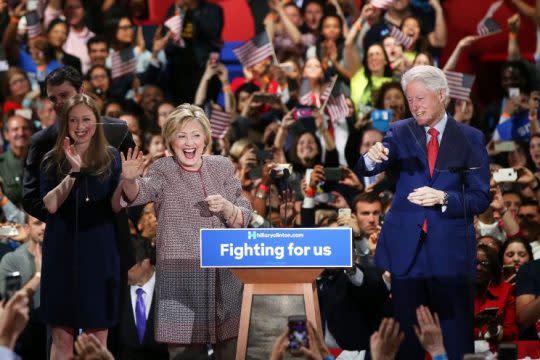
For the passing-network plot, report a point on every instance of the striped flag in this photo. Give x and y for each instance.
(219, 123)
(305, 95)
(175, 24)
(401, 38)
(33, 24)
(382, 4)
(337, 104)
(488, 26)
(123, 62)
(460, 84)
(255, 50)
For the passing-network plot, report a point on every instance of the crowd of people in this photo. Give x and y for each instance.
(113, 158)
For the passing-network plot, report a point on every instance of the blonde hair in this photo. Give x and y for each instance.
(98, 157)
(239, 146)
(178, 119)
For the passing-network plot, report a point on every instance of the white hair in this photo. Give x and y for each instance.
(432, 77)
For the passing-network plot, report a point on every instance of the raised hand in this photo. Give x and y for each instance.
(429, 331)
(72, 155)
(160, 41)
(384, 343)
(132, 164)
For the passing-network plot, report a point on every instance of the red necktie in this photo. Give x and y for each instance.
(432, 152)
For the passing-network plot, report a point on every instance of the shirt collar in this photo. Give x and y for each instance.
(440, 125)
(148, 287)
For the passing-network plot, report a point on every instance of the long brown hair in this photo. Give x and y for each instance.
(97, 157)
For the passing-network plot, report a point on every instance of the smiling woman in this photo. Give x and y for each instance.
(190, 191)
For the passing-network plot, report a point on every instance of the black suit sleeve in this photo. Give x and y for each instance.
(32, 202)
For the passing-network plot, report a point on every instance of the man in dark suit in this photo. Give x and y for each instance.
(137, 307)
(427, 242)
(61, 85)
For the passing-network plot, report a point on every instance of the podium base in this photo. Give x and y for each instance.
(276, 282)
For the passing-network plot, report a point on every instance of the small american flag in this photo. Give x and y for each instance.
(382, 4)
(401, 38)
(175, 24)
(337, 104)
(305, 94)
(219, 123)
(255, 50)
(123, 62)
(33, 24)
(460, 84)
(488, 26)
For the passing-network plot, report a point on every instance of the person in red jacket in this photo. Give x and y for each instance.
(495, 302)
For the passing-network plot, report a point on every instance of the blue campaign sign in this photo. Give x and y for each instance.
(276, 248)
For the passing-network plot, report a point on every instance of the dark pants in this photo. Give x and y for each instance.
(451, 297)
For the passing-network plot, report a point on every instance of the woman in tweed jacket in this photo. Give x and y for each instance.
(194, 306)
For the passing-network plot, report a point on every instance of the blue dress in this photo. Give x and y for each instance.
(80, 271)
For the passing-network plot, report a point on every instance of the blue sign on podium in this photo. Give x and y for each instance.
(276, 248)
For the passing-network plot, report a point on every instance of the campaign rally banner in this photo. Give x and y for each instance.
(276, 248)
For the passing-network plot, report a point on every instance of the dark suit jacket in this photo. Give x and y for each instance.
(130, 347)
(352, 313)
(461, 146)
(43, 141)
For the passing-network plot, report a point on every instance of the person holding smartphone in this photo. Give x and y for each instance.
(494, 303)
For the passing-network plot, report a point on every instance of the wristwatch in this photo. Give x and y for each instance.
(445, 199)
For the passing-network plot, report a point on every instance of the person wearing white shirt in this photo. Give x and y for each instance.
(137, 312)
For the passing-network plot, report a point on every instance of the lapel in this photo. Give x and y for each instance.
(420, 147)
(452, 146)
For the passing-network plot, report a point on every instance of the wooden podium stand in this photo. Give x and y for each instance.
(291, 281)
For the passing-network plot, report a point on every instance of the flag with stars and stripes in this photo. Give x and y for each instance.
(401, 38)
(336, 105)
(219, 123)
(488, 26)
(175, 25)
(33, 24)
(305, 95)
(255, 50)
(123, 62)
(460, 84)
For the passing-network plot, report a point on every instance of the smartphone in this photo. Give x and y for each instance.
(263, 155)
(214, 57)
(507, 351)
(266, 98)
(333, 174)
(255, 173)
(13, 284)
(298, 334)
(513, 92)
(302, 112)
(505, 175)
(489, 312)
(505, 146)
(509, 270)
(344, 212)
(9, 231)
(381, 119)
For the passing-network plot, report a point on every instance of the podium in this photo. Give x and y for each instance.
(276, 262)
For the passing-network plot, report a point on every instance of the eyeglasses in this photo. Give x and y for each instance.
(484, 263)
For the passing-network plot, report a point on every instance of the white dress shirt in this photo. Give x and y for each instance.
(148, 289)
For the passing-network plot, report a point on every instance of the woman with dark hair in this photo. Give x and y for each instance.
(514, 253)
(371, 76)
(534, 152)
(57, 33)
(15, 87)
(423, 58)
(330, 47)
(80, 258)
(494, 303)
(99, 78)
(391, 97)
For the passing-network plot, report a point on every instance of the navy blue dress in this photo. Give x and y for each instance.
(80, 271)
